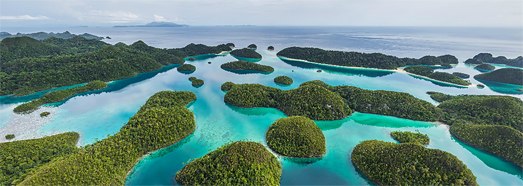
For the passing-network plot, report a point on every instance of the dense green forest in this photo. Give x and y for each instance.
(386, 163)
(243, 67)
(29, 65)
(296, 136)
(195, 82)
(227, 86)
(461, 75)
(9, 136)
(162, 121)
(485, 67)
(246, 53)
(438, 96)
(20, 157)
(384, 102)
(483, 109)
(503, 75)
(503, 141)
(410, 137)
(186, 68)
(312, 101)
(283, 80)
(357, 59)
(58, 96)
(442, 76)
(488, 58)
(238, 163)
(45, 35)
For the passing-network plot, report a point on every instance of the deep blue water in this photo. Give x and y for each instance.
(103, 113)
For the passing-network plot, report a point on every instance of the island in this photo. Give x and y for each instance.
(410, 137)
(296, 136)
(252, 47)
(246, 54)
(155, 24)
(283, 80)
(9, 136)
(357, 59)
(441, 76)
(243, 67)
(227, 86)
(485, 67)
(195, 82)
(238, 163)
(161, 122)
(270, 48)
(186, 69)
(58, 96)
(45, 35)
(503, 75)
(489, 58)
(18, 158)
(44, 114)
(386, 163)
(54, 62)
(313, 101)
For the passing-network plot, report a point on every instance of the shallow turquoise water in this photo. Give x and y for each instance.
(95, 116)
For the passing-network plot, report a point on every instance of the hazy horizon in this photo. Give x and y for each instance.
(370, 13)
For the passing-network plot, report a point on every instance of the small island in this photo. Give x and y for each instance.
(270, 48)
(441, 76)
(283, 80)
(296, 136)
(485, 67)
(238, 163)
(489, 58)
(186, 69)
(243, 67)
(195, 82)
(252, 47)
(461, 75)
(410, 137)
(503, 75)
(44, 114)
(244, 53)
(9, 136)
(386, 163)
(58, 96)
(438, 96)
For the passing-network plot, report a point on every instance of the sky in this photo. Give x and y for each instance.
(452, 13)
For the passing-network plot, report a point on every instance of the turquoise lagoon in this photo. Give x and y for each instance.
(103, 113)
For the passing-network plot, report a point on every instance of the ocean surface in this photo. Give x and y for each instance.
(98, 115)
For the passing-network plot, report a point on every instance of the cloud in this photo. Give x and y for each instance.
(111, 16)
(159, 18)
(23, 18)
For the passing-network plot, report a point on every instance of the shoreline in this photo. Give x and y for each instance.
(398, 70)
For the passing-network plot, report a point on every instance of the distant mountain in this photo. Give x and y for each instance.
(155, 24)
(45, 35)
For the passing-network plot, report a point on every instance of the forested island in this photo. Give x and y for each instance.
(488, 58)
(246, 53)
(162, 121)
(357, 59)
(243, 67)
(485, 67)
(195, 82)
(296, 136)
(29, 65)
(410, 137)
(441, 76)
(503, 75)
(238, 163)
(283, 80)
(385, 163)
